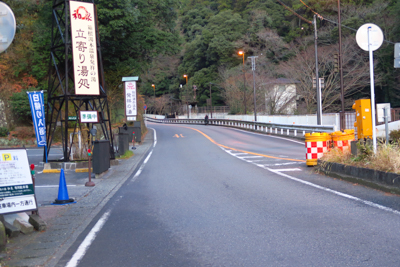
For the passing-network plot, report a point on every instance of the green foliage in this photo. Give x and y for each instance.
(20, 107)
(127, 155)
(3, 131)
(150, 39)
(366, 150)
(131, 32)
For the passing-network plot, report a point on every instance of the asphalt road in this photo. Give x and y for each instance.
(35, 155)
(213, 196)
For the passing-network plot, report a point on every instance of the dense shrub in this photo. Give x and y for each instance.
(394, 135)
(3, 131)
(23, 133)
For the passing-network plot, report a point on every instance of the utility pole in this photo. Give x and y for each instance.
(319, 109)
(342, 117)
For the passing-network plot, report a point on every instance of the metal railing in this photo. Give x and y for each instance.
(271, 128)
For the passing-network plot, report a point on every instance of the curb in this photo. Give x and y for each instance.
(52, 171)
(83, 170)
(55, 167)
(384, 181)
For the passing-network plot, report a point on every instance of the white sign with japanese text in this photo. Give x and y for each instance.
(88, 116)
(130, 99)
(16, 186)
(84, 48)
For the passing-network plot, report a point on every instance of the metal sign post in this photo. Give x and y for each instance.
(370, 37)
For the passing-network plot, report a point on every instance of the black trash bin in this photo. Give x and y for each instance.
(137, 128)
(129, 130)
(101, 156)
(123, 143)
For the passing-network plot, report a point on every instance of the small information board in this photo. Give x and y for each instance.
(89, 116)
(16, 185)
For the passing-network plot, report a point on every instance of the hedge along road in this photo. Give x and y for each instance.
(196, 203)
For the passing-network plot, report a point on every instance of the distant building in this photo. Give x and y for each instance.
(280, 96)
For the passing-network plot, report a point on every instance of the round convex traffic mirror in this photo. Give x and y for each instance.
(93, 131)
(7, 26)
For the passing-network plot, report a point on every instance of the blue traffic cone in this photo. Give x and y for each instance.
(63, 197)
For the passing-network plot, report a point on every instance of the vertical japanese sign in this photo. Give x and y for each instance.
(16, 186)
(84, 48)
(37, 109)
(130, 99)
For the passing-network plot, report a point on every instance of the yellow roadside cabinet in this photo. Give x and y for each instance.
(363, 118)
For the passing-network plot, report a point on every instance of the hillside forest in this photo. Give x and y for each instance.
(162, 40)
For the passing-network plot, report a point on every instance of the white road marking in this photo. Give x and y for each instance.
(155, 137)
(366, 202)
(147, 158)
(80, 252)
(282, 164)
(279, 172)
(287, 170)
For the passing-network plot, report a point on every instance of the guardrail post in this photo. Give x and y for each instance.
(281, 131)
(276, 130)
(287, 131)
(295, 132)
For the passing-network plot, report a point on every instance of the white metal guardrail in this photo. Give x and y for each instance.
(273, 128)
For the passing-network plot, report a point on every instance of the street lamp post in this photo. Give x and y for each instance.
(210, 102)
(241, 53)
(253, 68)
(154, 89)
(187, 104)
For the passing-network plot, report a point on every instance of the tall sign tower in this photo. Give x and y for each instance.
(76, 76)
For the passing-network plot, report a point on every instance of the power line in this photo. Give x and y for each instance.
(318, 15)
(288, 8)
(334, 22)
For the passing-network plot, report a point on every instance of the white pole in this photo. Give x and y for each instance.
(371, 70)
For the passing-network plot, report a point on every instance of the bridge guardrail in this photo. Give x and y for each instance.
(273, 128)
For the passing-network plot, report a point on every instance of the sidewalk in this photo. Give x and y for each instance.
(66, 222)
